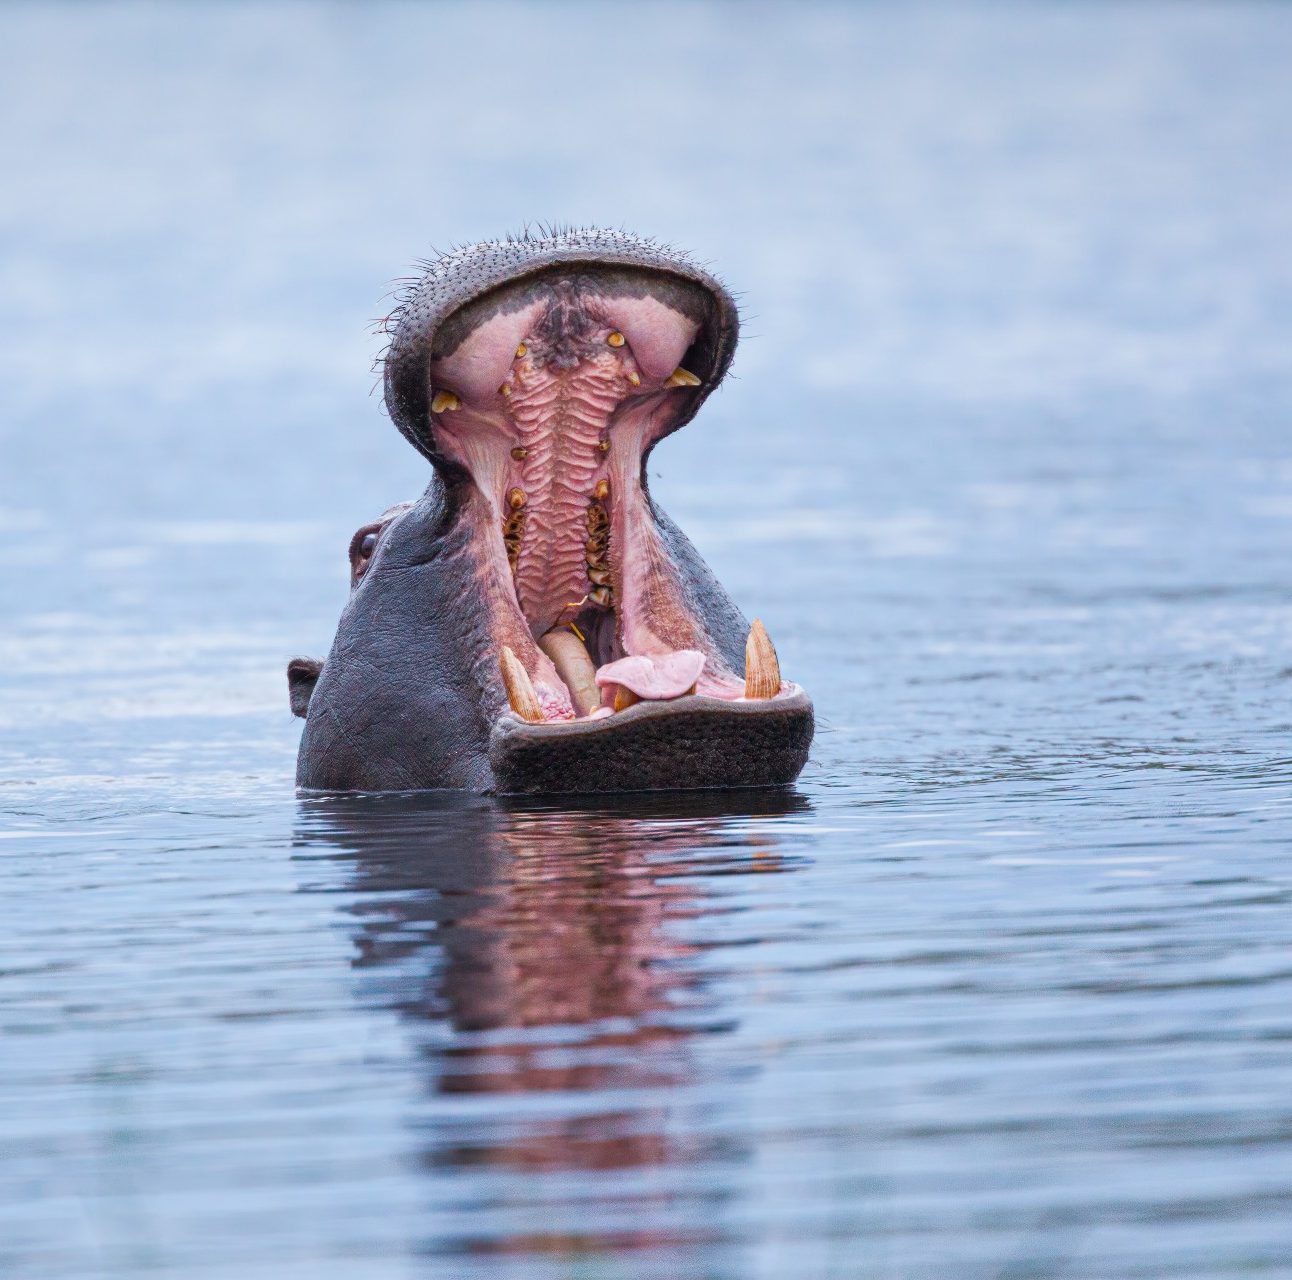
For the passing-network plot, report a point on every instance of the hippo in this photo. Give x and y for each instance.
(534, 623)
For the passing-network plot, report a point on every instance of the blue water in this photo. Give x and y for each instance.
(1002, 988)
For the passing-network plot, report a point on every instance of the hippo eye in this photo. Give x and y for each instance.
(362, 548)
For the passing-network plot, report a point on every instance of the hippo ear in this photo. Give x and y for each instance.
(302, 676)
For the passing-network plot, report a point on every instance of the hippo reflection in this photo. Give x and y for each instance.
(534, 622)
(533, 952)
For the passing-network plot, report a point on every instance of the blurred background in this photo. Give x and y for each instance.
(1000, 989)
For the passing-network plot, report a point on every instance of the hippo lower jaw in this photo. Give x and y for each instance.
(692, 741)
(623, 687)
(613, 706)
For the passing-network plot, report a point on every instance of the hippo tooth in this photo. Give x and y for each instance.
(445, 400)
(624, 698)
(762, 670)
(682, 378)
(520, 689)
(575, 668)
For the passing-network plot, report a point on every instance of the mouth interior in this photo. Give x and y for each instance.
(550, 392)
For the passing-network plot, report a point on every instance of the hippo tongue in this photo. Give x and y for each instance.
(666, 675)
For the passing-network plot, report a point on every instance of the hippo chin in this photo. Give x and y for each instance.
(534, 622)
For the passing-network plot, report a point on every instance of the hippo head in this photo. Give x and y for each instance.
(534, 622)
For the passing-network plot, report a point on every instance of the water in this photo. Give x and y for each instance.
(1002, 988)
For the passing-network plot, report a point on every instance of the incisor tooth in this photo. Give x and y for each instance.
(445, 400)
(762, 671)
(682, 378)
(520, 689)
(624, 698)
(574, 666)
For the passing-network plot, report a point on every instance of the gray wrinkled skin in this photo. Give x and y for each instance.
(410, 696)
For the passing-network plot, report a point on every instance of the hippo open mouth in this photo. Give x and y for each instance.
(534, 622)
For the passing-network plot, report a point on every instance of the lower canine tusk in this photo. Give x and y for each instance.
(762, 670)
(520, 689)
(681, 378)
